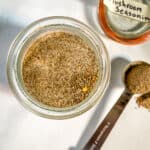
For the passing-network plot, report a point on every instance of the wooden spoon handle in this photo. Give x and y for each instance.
(100, 135)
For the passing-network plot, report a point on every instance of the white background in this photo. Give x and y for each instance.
(22, 130)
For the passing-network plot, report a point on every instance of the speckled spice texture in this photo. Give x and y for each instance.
(144, 100)
(60, 69)
(138, 79)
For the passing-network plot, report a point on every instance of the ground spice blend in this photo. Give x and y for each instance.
(138, 79)
(60, 69)
(144, 100)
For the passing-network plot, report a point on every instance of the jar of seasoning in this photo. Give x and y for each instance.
(125, 21)
(41, 67)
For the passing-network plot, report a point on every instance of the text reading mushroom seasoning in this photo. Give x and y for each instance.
(60, 69)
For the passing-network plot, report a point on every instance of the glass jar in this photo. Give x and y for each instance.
(16, 55)
(121, 20)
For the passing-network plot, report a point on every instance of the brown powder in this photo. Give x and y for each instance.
(138, 78)
(144, 100)
(60, 69)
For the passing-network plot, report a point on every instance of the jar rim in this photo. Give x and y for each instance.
(11, 68)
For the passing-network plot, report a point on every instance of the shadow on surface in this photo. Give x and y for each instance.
(8, 31)
(117, 66)
(91, 16)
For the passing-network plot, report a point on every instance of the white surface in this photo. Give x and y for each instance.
(22, 130)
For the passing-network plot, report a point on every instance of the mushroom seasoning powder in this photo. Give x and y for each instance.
(138, 79)
(144, 100)
(60, 69)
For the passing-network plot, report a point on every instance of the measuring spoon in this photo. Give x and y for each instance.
(100, 135)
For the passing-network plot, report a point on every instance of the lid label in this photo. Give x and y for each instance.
(129, 8)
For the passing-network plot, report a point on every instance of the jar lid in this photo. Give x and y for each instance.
(125, 21)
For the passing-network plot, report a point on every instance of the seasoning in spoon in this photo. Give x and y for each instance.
(60, 69)
(138, 78)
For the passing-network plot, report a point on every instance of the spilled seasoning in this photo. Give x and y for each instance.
(60, 69)
(144, 100)
(138, 82)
